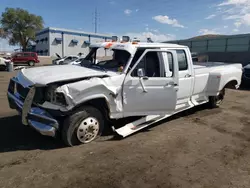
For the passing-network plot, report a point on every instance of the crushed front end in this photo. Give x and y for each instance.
(24, 98)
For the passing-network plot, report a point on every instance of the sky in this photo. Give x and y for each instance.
(161, 20)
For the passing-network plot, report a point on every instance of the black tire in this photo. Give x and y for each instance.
(72, 122)
(215, 101)
(3, 68)
(31, 63)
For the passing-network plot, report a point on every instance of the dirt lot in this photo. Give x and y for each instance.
(201, 148)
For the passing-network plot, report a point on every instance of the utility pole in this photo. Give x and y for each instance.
(96, 20)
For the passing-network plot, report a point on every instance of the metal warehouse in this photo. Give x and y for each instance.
(50, 41)
(217, 43)
(224, 48)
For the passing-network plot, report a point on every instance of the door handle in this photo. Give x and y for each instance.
(145, 78)
(172, 84)
(188, 75)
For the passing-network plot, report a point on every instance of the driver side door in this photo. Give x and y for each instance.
(148, 89)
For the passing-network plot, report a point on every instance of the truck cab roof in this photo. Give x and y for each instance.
(132, 46)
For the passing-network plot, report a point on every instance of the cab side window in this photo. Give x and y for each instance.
(150, 64)
(182, 60)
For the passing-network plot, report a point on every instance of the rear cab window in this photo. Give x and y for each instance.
(182, 60)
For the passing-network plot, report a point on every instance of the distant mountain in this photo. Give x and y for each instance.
(209, 36)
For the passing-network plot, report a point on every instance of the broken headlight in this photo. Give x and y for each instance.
(54, 97)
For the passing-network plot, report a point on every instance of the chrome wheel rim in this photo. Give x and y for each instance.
(220, 98)
(32, 63)
(88, 130)
(219, 101)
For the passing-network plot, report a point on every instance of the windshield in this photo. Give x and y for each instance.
(106, 59)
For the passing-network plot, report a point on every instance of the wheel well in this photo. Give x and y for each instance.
(231, 84)
(100, 104)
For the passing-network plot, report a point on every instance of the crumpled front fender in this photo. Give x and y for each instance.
(109, 88)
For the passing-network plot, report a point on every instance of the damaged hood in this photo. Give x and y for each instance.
(50, 74)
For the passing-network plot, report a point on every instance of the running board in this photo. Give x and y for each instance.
(144, 122)
(137, 125)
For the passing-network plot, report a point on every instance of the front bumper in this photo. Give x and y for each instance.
(32, 115)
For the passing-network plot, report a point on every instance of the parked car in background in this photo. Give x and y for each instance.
(246, 75)
(78, 61)
(64, 60)
(3, 63)
(194, 56)
(30, 58)
(75, 62)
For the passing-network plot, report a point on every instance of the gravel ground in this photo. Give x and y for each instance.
(198, 148)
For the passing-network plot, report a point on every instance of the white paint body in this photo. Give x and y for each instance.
(127, 96)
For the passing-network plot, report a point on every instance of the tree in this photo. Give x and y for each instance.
(19, 26)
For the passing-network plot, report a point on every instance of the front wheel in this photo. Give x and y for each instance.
(31, 63)
(82, 127)
(215, 101)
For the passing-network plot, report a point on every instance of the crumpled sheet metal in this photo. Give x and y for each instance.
(85, 90)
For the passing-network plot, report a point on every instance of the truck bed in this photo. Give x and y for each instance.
(211, 64)
(206, 67)
(215, 75)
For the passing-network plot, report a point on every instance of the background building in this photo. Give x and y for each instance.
(50, 41)
(226, 48)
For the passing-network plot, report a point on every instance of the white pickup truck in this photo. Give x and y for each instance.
(149, 81)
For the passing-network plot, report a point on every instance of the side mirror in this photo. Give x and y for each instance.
(140, 72)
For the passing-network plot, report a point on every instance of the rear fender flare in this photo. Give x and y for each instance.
(232, 83)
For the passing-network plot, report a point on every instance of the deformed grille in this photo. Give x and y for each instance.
(22, 90)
